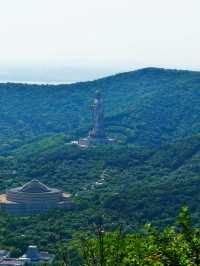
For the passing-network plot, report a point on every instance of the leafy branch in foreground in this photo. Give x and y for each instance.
(174, 246)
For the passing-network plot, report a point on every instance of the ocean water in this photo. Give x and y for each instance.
(38, 82)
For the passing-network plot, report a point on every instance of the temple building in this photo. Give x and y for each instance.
(33, 256)
(33, 198)
(97, 134)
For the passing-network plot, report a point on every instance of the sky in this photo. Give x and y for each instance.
(77, 40)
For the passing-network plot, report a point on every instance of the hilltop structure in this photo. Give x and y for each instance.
(32, 198)
(97, 135)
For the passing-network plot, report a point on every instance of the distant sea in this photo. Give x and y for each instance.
(38, 82)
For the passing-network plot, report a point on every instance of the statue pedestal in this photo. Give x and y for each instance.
(94, 141)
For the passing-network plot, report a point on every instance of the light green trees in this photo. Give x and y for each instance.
(178, 245)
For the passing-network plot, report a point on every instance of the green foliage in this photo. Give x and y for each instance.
(148, 107)
(171, 247)
(139, 186)
(150, 172)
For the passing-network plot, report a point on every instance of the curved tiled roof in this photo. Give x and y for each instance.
(34, 186)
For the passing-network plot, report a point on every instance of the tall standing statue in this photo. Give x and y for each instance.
(98, 130)
(97, 135)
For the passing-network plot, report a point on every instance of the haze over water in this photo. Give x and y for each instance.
(67, 41)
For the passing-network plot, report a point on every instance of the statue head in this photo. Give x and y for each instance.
(97, 94)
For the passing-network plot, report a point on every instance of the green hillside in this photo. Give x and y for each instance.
(145, 177)
(146, 107)
(138, 186)
(151, 184)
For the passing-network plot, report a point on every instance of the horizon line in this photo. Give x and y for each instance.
(31, 82)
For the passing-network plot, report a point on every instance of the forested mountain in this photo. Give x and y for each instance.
(152, 184)
(125, 184)
(150, 172)
(147, 107)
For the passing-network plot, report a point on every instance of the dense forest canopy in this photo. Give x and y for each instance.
(146, 107)
(146, 176)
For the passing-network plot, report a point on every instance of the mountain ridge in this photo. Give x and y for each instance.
(147, 107)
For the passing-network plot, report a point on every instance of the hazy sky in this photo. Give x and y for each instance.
(67, 40)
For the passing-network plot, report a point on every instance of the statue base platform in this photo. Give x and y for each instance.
(94, 141)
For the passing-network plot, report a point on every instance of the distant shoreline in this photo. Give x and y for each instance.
(38, 82)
